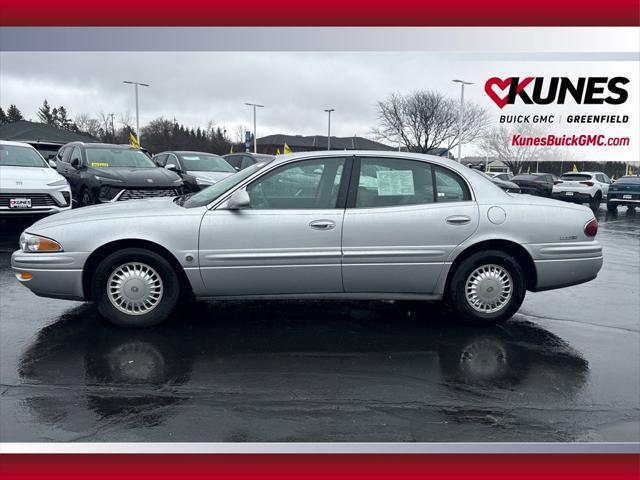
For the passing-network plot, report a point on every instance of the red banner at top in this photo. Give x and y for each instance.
(319, 13)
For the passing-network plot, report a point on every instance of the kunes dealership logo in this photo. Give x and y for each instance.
(557, 90)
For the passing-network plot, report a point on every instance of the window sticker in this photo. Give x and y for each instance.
(395, 182)
(99, 164)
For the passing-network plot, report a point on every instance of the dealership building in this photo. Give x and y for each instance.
(298, 143)
(47, 139)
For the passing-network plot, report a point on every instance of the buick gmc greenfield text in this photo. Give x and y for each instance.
(322, 224)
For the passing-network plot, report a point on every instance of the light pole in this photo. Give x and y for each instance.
(329, 110)
(255, 136)
(136, 85)
(462, 84)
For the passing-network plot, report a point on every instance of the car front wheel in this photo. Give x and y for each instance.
(487, 287)
(135, 287)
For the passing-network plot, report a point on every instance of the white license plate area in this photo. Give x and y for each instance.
(569, 194)
(19, 203)
(627, 197)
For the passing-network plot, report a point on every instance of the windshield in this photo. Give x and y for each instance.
(117, 157)
(209, 194)
(576, 176)
(205, 163)
(17, 156)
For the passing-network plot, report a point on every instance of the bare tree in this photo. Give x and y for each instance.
(239, 133)
(498, 143)
(88, 124)
(425, 120)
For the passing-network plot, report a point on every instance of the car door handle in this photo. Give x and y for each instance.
(458, 220)
(322, 224)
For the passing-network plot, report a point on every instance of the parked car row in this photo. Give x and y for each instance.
(100, 173)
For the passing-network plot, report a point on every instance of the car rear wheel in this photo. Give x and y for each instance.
(595, 201)
(135, 287)
(487, 287)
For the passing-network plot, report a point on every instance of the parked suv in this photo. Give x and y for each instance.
(198, 170)
(28, 184)
(582, 187)
(100, 172)
(625, 191)
(540, 184)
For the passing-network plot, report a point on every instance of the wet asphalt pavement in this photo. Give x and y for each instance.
(565, 368)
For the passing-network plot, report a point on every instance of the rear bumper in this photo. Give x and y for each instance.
(564, 264)
(622, 201)
(54, 275)
(564, 273)
(576, 197)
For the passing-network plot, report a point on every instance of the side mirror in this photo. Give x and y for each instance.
(52, 163)
(172, 167)
(239, 200)
(75, 163)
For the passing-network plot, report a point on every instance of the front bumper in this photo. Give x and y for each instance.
(55, 275)
(45, 201)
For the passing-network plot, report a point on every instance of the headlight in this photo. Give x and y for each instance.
(33, 243)
(58, 183)
(106, 179)
(204, 181)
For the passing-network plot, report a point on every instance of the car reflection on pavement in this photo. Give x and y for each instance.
(253, 368)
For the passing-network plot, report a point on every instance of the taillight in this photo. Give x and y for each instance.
(557, 182)
(591, 228)
(589, 184)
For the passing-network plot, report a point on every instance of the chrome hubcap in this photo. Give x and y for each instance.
(489, 288)
(134, 288)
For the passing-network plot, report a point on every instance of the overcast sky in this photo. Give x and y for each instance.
(295, 87)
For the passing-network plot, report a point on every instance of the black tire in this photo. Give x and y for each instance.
(166, 303)
(85, 198)
(612, 207)
(594, 204)
(458, 298)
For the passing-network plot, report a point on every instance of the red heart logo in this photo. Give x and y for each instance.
(503, 85)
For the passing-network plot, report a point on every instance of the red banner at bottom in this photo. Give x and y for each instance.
(296, 466)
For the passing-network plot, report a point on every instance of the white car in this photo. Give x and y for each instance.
(501, 176)
(582, 187)
(28, 184)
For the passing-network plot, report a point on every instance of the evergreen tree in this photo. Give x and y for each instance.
(47, 115)
(62, 120)
(13, 114)
(3, 117)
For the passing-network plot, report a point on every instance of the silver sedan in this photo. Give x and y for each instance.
(361, 224)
